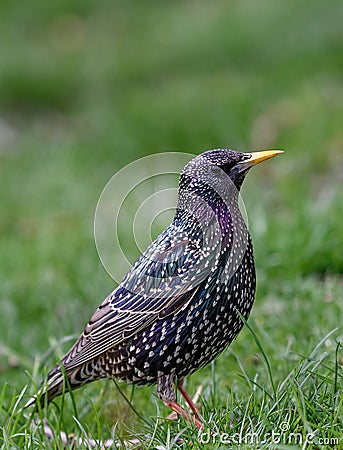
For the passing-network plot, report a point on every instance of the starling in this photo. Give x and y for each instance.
(181, 303)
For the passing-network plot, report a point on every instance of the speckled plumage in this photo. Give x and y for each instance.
(177, 308)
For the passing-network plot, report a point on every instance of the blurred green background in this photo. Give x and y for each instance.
(87, 87)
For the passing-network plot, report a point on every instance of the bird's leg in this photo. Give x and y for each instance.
(166, 392)
(191, 402)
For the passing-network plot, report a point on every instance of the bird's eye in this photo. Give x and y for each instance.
(215, 170)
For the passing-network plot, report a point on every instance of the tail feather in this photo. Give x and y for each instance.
(53, 387)
(60, 379)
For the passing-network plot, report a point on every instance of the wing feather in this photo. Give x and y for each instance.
(163, 280)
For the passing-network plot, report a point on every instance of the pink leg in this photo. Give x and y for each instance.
(188, 399)
(195, 420)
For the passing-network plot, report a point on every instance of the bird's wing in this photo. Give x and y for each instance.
(163, 280)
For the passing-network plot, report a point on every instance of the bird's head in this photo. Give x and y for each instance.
(221, 170)
(214, 166)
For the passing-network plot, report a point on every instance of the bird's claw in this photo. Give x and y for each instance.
(192, 404)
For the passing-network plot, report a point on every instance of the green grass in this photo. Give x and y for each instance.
(87, 88)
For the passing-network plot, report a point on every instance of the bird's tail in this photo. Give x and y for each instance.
(54, 386)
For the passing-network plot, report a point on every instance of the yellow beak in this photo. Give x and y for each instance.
(258, 157)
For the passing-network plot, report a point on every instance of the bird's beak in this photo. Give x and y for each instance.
(256, 158)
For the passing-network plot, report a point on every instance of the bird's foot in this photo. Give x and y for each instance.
(192, 405)
(179, 410)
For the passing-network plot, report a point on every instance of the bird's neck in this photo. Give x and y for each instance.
(210, 211)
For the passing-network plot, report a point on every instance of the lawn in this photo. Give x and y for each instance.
(87, 88)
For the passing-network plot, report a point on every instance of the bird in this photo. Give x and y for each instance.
(182, 302)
